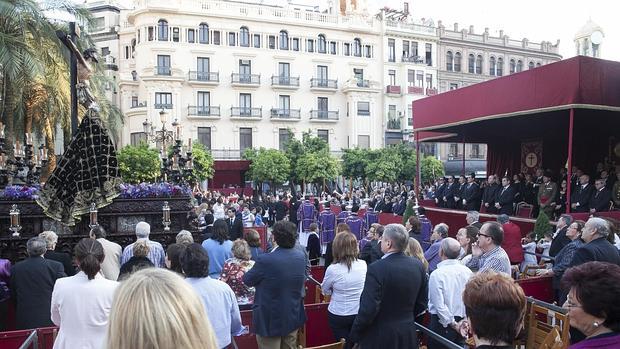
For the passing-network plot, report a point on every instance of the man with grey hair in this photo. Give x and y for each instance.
(445, 293)
(185, 237)
(596, 247)
(432, 254)
(395, 291)
(156, 255)
(32, 283)
(487, 253)
(559, 237)
(472, 219)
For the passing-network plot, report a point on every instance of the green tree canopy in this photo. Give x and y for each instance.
(203, 161)
(314, 167)
(268, 165)
(354, 163)
(385, 165)
(431, 168)
(139, 163)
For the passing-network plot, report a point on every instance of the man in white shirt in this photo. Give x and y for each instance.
(445, 293)
(111, 265)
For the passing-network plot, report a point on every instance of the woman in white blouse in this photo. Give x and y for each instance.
(344, 281)
(81, 304)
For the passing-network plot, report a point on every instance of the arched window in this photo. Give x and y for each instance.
(492, 65)
(479, 64)
(162, 30)
(244, 37)
(357, 47)
(513, 66)
(519, 66)
(500, 66)
(203, 33)
(457, 62)
(538, 64)
(530, 65)
(471, 64)
(283, 40)
(449, 61)
(322, 44)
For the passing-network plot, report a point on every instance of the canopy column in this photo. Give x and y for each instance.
(570, 158)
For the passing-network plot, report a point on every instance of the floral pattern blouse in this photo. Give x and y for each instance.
(232, 274)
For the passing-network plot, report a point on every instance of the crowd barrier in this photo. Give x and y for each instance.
(262, 232)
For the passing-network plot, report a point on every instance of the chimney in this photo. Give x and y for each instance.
(471, 29)
(456, 27)
(406, 8)
(501, 33)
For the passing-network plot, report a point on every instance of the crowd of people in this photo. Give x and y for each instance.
(380, 280)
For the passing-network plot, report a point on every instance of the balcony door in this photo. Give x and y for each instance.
(284, 73)
(285, 105)
(204, 101)
(203, 68)
(245, 104)
(245, 70)
(321, 74)
(323, 107)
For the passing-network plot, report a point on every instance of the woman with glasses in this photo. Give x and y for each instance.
(564, 257)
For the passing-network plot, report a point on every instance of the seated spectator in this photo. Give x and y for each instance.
(596, 248)
(313, 246)
(466, 238)
(51, 239)
(370, 235)
(111, 265)
(173, 257)
(344, 281)
(487, 253)
(81, 304)
(528, 243)
(155, 308)
(432, 254)
(545, 244)
(495, 308)
(592, 303)
(156, 254)
(138, 261)
(235, 268)
(472, 219)
(219, 299)
(218, 248)
(414, 249)
(184, 237)
(253, 239)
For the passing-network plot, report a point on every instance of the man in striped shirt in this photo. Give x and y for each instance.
(487, 253)
(156, 251)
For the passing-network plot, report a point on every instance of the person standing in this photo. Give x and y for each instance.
(432, 254)
(235, 225)
(471, 194)
(512, 239)
(32, 282)
(51, 239)
(306, 215)
(327, 224)
(218, 247)
(156, 255)
(81, 304)
(395, 291)
(355, 223)
(504, 201)
(445, 293)
(580, 200)
(489, 195)
(111, 265)
(279, 278)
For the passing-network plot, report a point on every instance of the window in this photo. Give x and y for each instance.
(479, 64)
(519, 66)
(363, 142)
(204, 101)
(163, 65)
(231, 38)
(137, 138)
(449, 61)
(323, 134)
(414, 49)
(453, 86)
(98, 24)
(332, 47)
(191, 36)
(295, 44)
(391, 111)
(367, 51)
(245, 138)
(419, 78)
(163, 100)
(454, 149)
(321, 74)
(429, 80)
(310, 45)
(216, 37)
(322, 44)
(283, 136)
(151, 35)
(257, 40)
(429, 54)
(513, 66)
(538, 65)
(162, 30)
(471, 64)
(492, 66)
(175, 34)
(283, 40)
(244, 37)
(391, 50)
(284, 102)
(409, 115)
(204, 136)
(284, 73)
(405, 48)
(392, 75)
(500, 67)
(272, 42)
(363, 108)
(457, 62)
(530, 65)
(347, 49)
(475, 151)
(410, 77)
(245, 104)
(202, 67)
(203, 34)
(358, 74)
(357, 47)
(134, 101)
(323, 107)
(245, 70)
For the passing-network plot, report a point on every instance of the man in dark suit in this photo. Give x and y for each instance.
(559, 238)
(580, 201)
(371, 251)
(596, 247)
(235, 225)
(458, 195)
(51, 239)
(504, 201)
(489, 195)
(395, 291)
(32, 283)
(448, 194)
(439, 193)
(471, 194)
(599, 202)
(281, 209)
(278, 277)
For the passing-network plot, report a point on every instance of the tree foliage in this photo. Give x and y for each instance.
(431, 168)
(542, 225)
(385, 165)
(203, 161)
(354, 163)
(139, 163)
(268, 165)
(314, 167)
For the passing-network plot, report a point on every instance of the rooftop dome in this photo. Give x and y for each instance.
(588, 29)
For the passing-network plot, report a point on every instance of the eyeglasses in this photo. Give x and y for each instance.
(484, 235)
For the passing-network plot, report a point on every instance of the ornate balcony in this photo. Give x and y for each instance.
(431, 91)
(249, 80)
(415, 90)
(393, 90)
(203, 110)
(203, 77)
(285, 82)
(324, 85)
(246, 112)
(286, 114)
(163, 70)
(324, 115)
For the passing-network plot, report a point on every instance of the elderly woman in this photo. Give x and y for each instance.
(466, 237)
(592, 303)
(51, 239)
(495, 308)
(344, 281)
(138, 261)
(234, 269)
(184, 237)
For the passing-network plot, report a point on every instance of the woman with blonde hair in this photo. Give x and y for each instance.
(155, 308)
(414, 249)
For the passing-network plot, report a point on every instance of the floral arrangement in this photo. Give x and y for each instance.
(19, 192)
(153, 190)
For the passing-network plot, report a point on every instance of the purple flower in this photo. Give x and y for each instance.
(20, 192)
(153, 190)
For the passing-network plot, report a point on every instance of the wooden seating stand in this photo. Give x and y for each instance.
(546, 328)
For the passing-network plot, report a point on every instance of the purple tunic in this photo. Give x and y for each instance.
(611, 341)
(370, 217)
(327, 225)
(306, 215)
(356, 224)
(426, 228)
(342, 216)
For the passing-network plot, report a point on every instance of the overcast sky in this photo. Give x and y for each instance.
(536, 20)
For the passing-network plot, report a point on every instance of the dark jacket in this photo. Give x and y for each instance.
(279, 278)
(62, 258)
(32, 283)
(370, 253)
(489, 195)
(395, 291)
(599, 250)
(134, 264)
(582, 196)
(235, 230)
(600, 200)
(505, 198)
(559, 242)
(471, 194)
(314, 249)
(281, 210)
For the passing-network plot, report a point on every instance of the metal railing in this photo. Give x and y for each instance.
(250, 79)
(437, 337)
(324, 83)
(393, 124)
(246, 112)
(413, 59)
(363, 83)
(324, 114)
(163, 70)
(279, 113)
(206, 76)
(139, 105)
(284, 80)
(31, 342)
(203, 110)
(226, 154)
(163, 105)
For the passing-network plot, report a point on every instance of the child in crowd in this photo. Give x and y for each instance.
(247, 217)
(257, 211)
(544, 244)
(529, 245)
(313, 246)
